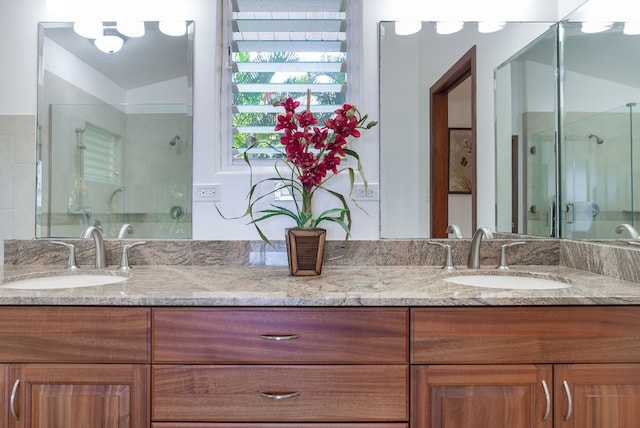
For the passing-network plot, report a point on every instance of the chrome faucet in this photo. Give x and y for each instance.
(455, 229)
(632, 230)
(101, 249)
(126, 228)
(473, 262)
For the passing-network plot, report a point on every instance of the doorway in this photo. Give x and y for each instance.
(464, 68)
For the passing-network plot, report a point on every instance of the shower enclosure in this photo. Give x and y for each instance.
(569, 100)
(600, 168)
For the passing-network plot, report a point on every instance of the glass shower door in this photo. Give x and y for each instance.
(599, 167)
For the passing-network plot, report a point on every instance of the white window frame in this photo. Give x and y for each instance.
(353, 87)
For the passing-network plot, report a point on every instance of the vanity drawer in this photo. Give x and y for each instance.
(330, 393)
(276, 425)
(550, 334)
(74, 334)
(280, 335)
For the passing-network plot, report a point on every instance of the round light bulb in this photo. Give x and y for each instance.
(173, 28)
(130, 28)
(109, 44)
(490, 27)
(88, 29)
(595, 27)
(405, 28)
(449, 27)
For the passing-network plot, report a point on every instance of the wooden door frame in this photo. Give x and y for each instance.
(464, 68)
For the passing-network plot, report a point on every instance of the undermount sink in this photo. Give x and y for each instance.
(63, 281)
(510, 282)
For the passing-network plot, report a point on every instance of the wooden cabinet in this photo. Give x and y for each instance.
(4, 398)
(513, 367)
(78, 395)
(597, 395)
(75, 367)
(280, 367)
(276, 425)
(479, 396)
(164, 367)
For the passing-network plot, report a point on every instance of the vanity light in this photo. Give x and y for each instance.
(631, 28)
(449, 27)
(173, 28)
(595, 27)
(405, 28)
(490, 27)
(131, 28)
(88, 29)
(109, 43)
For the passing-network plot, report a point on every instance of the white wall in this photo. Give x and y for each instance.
(18, 47)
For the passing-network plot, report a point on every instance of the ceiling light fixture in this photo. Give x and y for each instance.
(631, 28)
(173, 28)
(449, 27)
(490, 27)
(88, 29)
(131, 28)
(595, 27)
(110, 42)
(406, 28)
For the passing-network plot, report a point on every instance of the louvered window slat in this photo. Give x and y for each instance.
(99, 157)
(279, 49)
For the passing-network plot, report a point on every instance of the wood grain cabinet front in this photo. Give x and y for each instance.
(75, 366)
(78, 395)
(67, 334)
(280, 367)
(268, 393)
(277, 425)
(526, 367)
(280, 335)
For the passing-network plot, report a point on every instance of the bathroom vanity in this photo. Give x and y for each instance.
(391, 347)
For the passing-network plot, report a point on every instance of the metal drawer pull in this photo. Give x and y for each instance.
(279, 336)
(548, 400)
(279, 396)
(569, 400)
(12, 401)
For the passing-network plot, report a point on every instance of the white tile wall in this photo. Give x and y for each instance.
(17, 176)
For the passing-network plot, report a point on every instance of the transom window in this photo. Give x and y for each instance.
(279, 49)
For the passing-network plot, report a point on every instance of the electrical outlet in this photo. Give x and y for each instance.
(206, 193)
(370, 193)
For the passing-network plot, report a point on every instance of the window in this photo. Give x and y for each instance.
(99, 158)
(279, 49)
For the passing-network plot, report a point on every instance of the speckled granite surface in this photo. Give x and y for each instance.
(337, 286)
(373, 273)
(248, 253)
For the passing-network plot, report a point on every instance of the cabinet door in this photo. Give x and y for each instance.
(79, 396)
(4, 399)
(597, 395)
(476, 396)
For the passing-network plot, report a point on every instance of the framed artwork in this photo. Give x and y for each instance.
(460, 160)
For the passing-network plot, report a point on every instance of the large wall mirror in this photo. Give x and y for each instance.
(564, 116)
(115, 130)
(567, 107)
(409, 66)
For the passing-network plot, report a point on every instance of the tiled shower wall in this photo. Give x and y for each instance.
(17, 176)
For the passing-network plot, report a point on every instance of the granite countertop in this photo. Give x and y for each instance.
(337, 286)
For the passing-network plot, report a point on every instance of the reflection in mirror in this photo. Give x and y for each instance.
(599, 129)
(592, 109)
(526, 112)
(409, 67)
(114, 133)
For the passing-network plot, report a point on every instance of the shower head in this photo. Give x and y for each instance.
(175, 140)
(598, 139)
